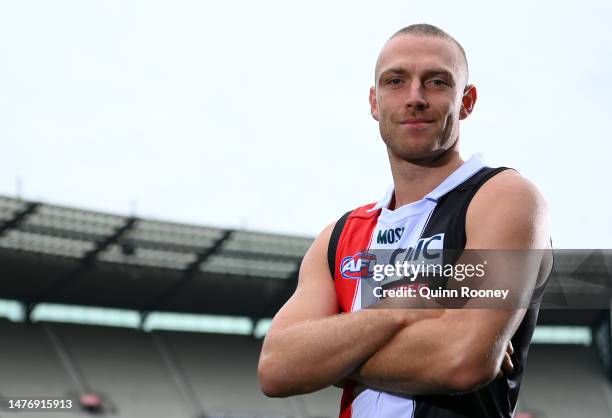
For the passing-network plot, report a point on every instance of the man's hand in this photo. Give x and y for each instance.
(507, 366)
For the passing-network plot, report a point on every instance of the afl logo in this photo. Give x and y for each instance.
(358, 266)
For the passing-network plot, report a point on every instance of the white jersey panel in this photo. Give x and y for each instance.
(402, 228)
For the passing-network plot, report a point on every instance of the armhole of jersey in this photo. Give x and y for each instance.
(475, 184)
(333, 243)
(538, 292)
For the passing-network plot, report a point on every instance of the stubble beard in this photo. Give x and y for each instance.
(417, 149)
(421, 151)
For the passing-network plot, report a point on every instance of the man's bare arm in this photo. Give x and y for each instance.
(310, 345)
(464, 348)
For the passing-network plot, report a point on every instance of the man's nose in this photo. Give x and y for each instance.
(416, 97)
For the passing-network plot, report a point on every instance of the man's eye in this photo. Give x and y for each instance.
(437, 82)
(395, 81)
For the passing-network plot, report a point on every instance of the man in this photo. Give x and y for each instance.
(417, 363)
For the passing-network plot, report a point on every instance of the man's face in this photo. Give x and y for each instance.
(420, 95)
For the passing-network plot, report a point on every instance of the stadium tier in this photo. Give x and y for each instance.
(153, 284)
(64, 255)
(197, 375)
(73, 256)
(152, 375)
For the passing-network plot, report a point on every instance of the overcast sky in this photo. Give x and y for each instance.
(255, 114)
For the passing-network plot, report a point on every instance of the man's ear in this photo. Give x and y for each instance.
(468, 101)
(373, 103)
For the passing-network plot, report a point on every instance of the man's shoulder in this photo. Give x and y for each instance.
(364, 211)
(508, 204)
(508, 188)
(367, 211)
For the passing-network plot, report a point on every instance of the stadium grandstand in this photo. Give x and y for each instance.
(131, 317)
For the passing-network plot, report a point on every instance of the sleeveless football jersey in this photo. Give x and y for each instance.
(435, 222)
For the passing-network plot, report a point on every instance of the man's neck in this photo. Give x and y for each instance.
(414, 180)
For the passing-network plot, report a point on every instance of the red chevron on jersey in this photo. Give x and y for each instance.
(354, 240)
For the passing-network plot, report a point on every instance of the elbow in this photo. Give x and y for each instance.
(268, 383)
(267, 386)
(271, 379)
(472, 374)
(269, 389)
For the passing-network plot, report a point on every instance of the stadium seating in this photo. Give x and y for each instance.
(71, 265)
(565, 381)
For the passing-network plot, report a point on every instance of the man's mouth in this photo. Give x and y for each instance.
(416, 122)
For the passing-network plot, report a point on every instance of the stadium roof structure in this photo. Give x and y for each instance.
(63, 255)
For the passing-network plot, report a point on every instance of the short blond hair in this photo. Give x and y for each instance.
(425, 29)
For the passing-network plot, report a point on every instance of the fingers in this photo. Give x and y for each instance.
(507, 365)
(344, 382)
(341, 383)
